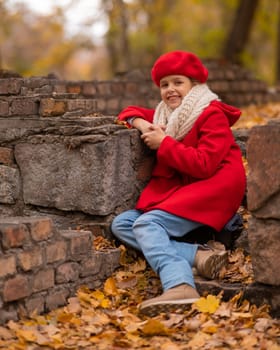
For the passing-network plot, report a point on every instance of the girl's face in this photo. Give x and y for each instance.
(173, 88)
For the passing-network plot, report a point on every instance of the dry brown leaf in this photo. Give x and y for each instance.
(154, 327)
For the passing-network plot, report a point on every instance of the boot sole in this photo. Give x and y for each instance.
(175, 306)
(214, 265)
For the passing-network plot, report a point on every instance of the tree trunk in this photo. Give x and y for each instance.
(239, 34)
(117, 36)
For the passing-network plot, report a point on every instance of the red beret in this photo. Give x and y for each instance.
(179, 63)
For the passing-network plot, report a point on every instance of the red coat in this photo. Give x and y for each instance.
(202, 177)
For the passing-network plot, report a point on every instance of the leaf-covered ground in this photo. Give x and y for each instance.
(108, 318)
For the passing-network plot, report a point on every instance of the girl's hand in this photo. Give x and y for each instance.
(154, 136)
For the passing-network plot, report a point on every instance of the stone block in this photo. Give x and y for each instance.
(35, 304)
(93, 178)
(85, 105)
(41, 228)
(263, 154)
(6, 156)
(89, 89)
(8, 315)
(4, 108)
(73, 88)
(43, 280)
(50, 107)
(56, 299)
(264, 243)
(68, 272)
(7, 265)
(10, 86)
(80, 241)
(93, 265)
(113, 105)
(13, 235)
(59, 88)
(56, 251)
(30, 259)
(23, 106)
(9, 184)
(104, 89)
(16, 288)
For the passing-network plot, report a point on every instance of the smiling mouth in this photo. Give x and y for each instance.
(172, 97)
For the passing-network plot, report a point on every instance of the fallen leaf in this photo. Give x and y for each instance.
(154, 327)
(110, 287)
(209, 304)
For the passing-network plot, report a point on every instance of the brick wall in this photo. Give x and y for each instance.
(40, 96)
(40, 266)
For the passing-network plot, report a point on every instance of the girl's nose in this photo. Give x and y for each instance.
(170, 87)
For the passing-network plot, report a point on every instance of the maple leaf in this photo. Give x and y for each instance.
(207, 305)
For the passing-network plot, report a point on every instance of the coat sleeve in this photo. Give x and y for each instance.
(203, 159)
(135, 111)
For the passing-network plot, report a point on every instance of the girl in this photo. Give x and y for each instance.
(198, 179)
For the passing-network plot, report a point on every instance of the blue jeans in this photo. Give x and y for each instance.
(152, 233)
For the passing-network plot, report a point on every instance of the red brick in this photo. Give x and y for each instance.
(56, 251)
(89, 89)
(56, 299)
(132, 89)
(80, 241)
(4, 108)
(104, 88)
(10, 86)
(40, 228)
(59, 88)
(101, 104)
(23, 106)
(36, 304)
(88, 105)
(43, 280)
(7, 265)
(51, 107)
(16, 288)
(93, 265)
(117, 88)
(30, 259)
(13, 235)
(113, 104)
(6, 156)
(74, 89)
(67, 272)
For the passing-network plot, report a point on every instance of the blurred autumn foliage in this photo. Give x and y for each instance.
(137, 32)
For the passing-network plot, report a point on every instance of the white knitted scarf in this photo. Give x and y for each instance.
(180, 120)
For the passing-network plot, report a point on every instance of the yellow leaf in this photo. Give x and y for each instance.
(208, 305)
(154, 327)
(98, 295)
(110, 287)
(105, 303)
(26, 335)
(64, 317)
